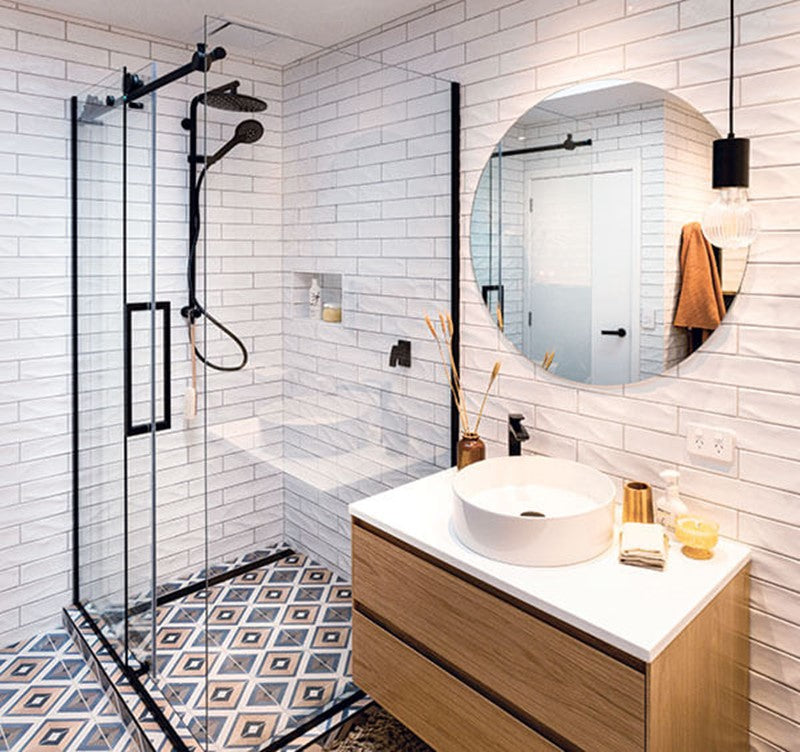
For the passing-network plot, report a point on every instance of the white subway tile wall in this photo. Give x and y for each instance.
(43, 61)
(366, 209)
(746, 379)
(508, 56)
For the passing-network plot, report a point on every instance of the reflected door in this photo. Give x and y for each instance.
(614, 273)
(581, 262)
(558, 272)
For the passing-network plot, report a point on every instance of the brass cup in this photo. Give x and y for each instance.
(637, 502)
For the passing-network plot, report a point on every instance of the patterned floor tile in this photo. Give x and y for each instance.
(50, 701)
(240, 664)
(273, 652)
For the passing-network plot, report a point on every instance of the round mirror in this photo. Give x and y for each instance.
(585, 234)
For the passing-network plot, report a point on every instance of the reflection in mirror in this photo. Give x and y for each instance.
(585, 234)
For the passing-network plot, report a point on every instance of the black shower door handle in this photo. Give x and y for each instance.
(166, 422)
(614, 332)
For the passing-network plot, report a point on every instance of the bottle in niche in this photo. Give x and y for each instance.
(315, 300)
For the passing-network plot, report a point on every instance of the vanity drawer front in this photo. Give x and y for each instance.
(582, 694)
(447, 714)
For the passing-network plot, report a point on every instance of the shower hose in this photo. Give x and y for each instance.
(194, 310)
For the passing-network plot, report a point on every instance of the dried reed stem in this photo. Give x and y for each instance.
(449, 374)
(456, 377)
(495, 371)
(445, 341)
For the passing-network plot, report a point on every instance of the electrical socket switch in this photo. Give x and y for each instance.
(715, 444)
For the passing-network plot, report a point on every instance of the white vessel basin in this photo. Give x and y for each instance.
(535, 511)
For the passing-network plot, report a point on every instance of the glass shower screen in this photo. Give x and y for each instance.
(119, 363)
(252, 246)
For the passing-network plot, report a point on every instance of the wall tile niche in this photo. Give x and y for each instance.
(331, 287)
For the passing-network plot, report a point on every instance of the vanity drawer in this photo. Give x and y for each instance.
(547, 676)
(447, 714)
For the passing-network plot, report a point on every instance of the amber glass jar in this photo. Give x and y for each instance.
(470, 449)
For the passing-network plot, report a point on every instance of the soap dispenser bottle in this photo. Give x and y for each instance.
(670, 506)
(314, 300)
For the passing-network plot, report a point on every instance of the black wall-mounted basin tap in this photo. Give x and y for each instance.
(400, 354)
(517, 434)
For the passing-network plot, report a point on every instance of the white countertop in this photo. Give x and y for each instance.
(639, 611)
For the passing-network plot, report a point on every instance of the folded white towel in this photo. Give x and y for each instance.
(643, 545)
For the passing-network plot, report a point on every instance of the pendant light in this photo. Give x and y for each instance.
(730, 221)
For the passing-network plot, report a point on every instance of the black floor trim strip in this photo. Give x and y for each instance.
(196, 587)
(105, 681)
(152, 706)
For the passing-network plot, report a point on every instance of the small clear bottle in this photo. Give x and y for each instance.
(670, 506)
(315, 300)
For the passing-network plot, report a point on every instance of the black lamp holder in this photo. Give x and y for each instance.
(731, 155)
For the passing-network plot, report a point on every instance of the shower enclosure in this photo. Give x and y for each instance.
(220, 427)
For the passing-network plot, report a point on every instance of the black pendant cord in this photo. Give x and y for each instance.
(731, 73)
(731, 155)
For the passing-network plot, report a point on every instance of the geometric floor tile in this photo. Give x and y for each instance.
(239, 665)
(51, 702)
(250, 730)
(273, 652)
(125, 703)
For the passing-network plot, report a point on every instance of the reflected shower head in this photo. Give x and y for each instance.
(247, 132)
(228, 98)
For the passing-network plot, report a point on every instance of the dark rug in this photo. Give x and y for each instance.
(374, 730)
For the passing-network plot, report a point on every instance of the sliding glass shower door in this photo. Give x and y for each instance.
(120, 340)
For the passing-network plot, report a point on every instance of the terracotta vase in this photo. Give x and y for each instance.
(470, 449)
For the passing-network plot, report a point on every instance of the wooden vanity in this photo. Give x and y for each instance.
(469, 666)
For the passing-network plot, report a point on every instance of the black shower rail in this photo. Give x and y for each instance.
(134, 88)
(225, 97)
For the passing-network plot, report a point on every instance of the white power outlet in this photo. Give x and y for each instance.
(714, 444)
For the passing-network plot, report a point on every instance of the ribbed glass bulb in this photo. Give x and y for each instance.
(730, 221)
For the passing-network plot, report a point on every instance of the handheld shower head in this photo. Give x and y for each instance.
(247, 132)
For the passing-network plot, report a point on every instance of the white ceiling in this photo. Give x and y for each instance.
(322, 22)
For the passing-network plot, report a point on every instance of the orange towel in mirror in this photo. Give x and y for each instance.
(700, 302)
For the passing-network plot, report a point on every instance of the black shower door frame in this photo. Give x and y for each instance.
(121, 654)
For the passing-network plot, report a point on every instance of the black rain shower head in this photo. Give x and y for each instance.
(247, 132)
(228, 98)
(234, 102)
